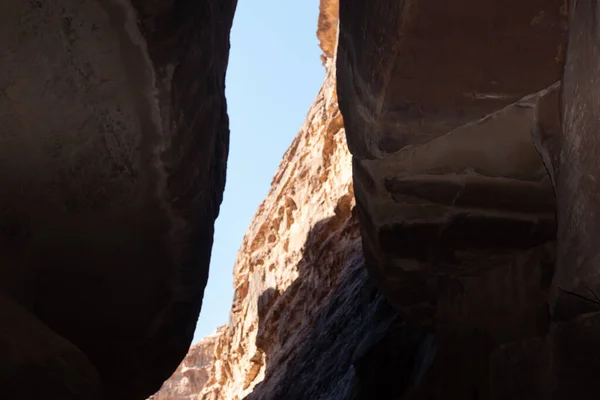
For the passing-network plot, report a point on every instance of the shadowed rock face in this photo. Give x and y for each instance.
(473, 128)
(113, 148)
(306, 321)
(474, 162)
(477, 208)
(439, 101)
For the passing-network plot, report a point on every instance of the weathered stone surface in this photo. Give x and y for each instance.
(457, 198)
(328, 28)
(572, 157)
(410, 71)
(301, 241)
(439, 101)
(306, 322)
(37, 363)
(189, 379)
(573, 160)
(444, 214)
(358, 347)
(112, 165)
(474, 162)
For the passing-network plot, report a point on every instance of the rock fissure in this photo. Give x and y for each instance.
(429, 233)
(459, 169)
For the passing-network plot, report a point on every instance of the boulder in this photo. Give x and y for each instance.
(112, 167)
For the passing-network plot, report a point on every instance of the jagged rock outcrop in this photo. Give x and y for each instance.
(302, 238)
(189, 379)
(472, 129)
(306, 321)
(473, 177)
(113, 148)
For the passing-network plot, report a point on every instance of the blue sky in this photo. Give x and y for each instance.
(274, 75)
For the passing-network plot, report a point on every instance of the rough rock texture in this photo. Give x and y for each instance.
(301, 239)
(327, 29)
(113, 147)
(473, 176)
(306, 322)
(459, 213)
(475, 170)
(571, 155)
(438, 107)
(189, 379)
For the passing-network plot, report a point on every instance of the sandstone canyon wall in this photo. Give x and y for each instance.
(191, 376)
(469, 194)
(477, 208)
(472, 132)
(113, 145)
(306, 321)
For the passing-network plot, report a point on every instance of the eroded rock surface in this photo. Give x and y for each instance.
(473, 170)
(460, 205)
(301, 241)
(307, 322)
(439, 101)
(472, 174)
(189, 379)
(113, 147)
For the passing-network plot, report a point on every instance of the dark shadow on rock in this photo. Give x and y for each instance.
(332, 334)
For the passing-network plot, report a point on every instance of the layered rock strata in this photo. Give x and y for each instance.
(113, 148)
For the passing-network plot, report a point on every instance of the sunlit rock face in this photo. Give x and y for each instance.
(191, 376)
(301, 242)
(113, 148)
(306, 321)
(469, 195)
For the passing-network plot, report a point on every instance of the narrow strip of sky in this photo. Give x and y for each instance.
(274, 75)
